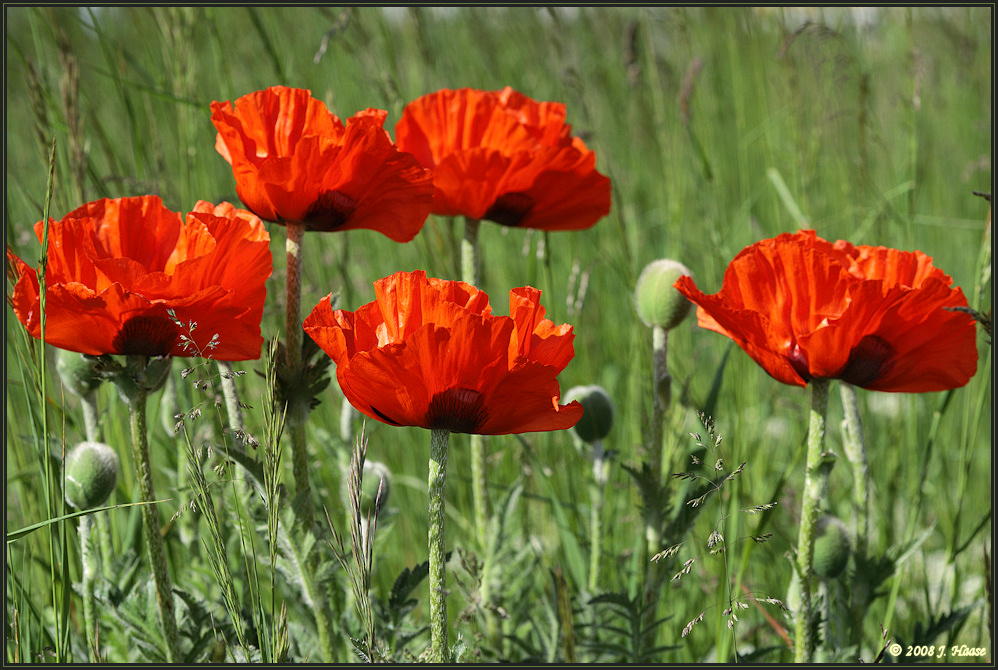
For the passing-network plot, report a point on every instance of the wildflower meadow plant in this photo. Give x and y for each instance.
(504, 157)
(297, 164)
(130, 277)
(430, 353)
(810, 311)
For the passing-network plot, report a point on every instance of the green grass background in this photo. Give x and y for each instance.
(718, 126)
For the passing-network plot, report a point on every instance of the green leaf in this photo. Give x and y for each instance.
(27, 530)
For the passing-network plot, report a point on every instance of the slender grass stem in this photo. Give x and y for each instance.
(137, 394)
(813, 484)
(438, 546)
(470, 269)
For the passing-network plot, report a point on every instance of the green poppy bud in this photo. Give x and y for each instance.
(831, 547)
(77, 372)
(157, 370)
(658, 302)
(91, 474)
(597, 412)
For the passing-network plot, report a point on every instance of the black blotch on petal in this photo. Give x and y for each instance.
(331, 211)
(458, 410)
(147, 336)
(870, 359)
(509, 209)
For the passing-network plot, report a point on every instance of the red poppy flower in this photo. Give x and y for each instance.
(117, 267)
(804, 308)
(430, 353)
(499, 155)
(294, 161)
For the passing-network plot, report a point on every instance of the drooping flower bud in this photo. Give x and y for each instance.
(91, 474)
(597, 412)
(77, 372)
(658, 302)
(831, 547)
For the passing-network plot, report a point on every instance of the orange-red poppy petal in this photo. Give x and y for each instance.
(429, 353)
(210, 273)
(500, 156)
(293, 161)
(874, 317)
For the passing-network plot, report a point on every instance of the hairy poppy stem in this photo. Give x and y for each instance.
(97, 525)
(470, 268)
(596, 520)
(298, 405)
(135, 392)
(439, 439)
(653, 512)
(855, 450)
(815, 477)
(89, 562)
(91, 416)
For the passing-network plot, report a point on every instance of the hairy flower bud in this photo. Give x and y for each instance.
(597, 412)
(77, 372)
(831, 547)
(91, 474)
(658, 302)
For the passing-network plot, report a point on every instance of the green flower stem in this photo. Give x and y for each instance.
(298, 405)
(97, 526)
(231, 395)
(815, 479)
(470, 268)
(89, 573)
(91, 416)
(470, 255)
(297, 415)
(661, 398)
(596, 522)
(438, 546)
(855, 450)
(136, 394)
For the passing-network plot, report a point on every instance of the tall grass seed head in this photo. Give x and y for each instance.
(91, 474)
(597, 412)
(831, 547)
(374, 473)
(657, 301)
(77, 372)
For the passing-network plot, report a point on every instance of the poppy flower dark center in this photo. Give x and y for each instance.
(509, 209)
(458, 410)
(330, 211)
(146, 336)
(871, 358)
